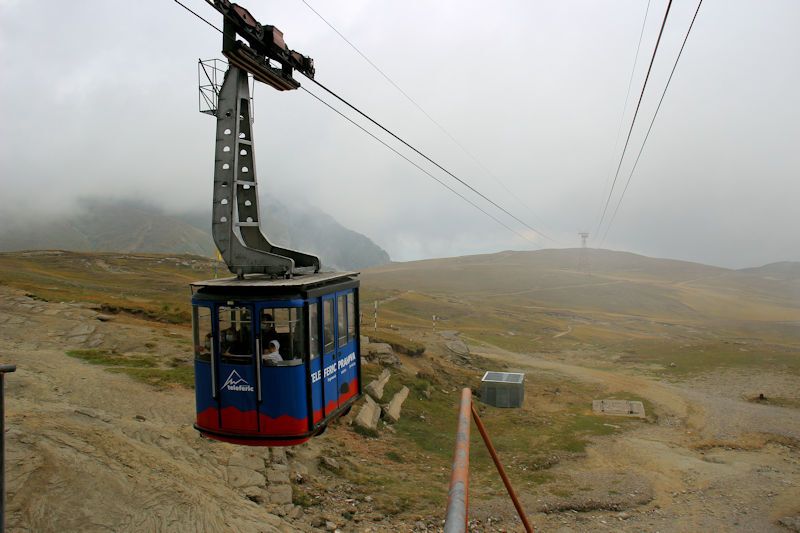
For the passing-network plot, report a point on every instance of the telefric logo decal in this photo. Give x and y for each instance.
(237, 383)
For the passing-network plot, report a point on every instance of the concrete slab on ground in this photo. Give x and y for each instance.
(619, 408)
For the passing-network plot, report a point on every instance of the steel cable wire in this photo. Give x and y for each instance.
(650, 128)
(633, 122)
(428, 115)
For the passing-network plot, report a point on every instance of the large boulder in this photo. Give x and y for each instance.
(369, 414)
(280, 494)
(375, 388)
(240, 477)
(247, 459)
(378, 348)
(392, 411)
(458, 347)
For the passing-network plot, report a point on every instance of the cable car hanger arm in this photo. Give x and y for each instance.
(264, 43)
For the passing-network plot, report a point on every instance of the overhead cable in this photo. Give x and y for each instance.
(362, 128)
(196, 15)
(649, 129)
(421, 154)
(373, 121)
(423, 111)
(628, 93)
(633, 122)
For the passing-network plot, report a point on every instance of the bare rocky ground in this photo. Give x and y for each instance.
(92, 450)
(711, 461)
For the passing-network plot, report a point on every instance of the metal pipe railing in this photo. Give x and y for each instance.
(458, 496)
(3, 370)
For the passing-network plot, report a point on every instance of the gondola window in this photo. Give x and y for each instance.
(201, 322)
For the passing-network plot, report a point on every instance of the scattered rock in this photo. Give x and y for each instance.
(279, 456)
(378, 348)
(792, 523)
(91, 413)
(392, 411)
(375, 388)
(369, 414)
(140, 418)
(276, 476)
(240, 477)
(96, 341)
(256, 495)
(390, 360)
(299, 469)
(104, 318)
(280, 494)
(330, 463)
(291, 511)
(246, 460)
(428, 375)
(458, 347)
(83, 330)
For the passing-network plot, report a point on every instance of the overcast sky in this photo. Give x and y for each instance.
(100, 98)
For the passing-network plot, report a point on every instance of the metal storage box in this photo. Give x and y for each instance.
(503, 389)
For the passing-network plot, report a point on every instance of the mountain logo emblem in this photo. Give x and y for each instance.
(237, 383)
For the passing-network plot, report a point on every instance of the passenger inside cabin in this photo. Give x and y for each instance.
(272, 353)
(268, 332)
(235, 342)
(227, 339)
(205, 348)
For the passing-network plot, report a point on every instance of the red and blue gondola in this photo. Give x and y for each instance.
(245, 399)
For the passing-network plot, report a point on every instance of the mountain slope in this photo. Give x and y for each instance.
(128, 227)
(620, 283)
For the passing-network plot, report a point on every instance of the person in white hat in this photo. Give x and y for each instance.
(272, 353)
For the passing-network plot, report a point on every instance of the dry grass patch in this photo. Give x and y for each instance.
(748, 442)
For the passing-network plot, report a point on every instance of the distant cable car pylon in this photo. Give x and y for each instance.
(583, 256)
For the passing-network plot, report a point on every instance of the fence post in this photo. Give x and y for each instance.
(3, 370)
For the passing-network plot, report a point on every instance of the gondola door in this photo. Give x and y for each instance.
(346, 345)
(238, 377)
(329, 342)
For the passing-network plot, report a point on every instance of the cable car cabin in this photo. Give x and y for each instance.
(244, 396)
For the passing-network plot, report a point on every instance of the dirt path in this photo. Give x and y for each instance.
(696, 486)
(666, 396)
(557, 335)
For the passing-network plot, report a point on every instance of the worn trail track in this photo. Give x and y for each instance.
(744, 484)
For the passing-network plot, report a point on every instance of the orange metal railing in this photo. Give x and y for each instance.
(458, 496)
